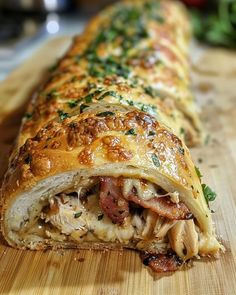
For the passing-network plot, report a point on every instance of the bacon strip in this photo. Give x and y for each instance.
(161, 262)
(116, 206)
(112, 201)
(163, 207)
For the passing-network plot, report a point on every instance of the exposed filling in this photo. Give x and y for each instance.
(132, 212)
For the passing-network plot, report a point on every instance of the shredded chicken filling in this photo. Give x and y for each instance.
(82, 215)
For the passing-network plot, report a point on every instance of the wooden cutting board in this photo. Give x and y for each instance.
(113, 273)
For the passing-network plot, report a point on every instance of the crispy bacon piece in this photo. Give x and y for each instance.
(163, 207)
(112, 201)
(161, 262)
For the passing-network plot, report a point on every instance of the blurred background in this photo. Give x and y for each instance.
(26, 24)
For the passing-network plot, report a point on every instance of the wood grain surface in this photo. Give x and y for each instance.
(119, 273)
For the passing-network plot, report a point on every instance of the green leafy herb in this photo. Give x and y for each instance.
(130, 132)
(53, 67)
(147, 108)
(151, 133)
(198, 172)
(182, 131)
(181, 150)
(218, 26)
(90, 96)
(82, 107)
(100, 216)
(207, 139)
(52, 94)
(150, 91)
(78, 58)
(74, 79)
(63, 115)
(110, 93)
(77, 214)
(105, 114)
(72, 103)
(209, 194)
(28, 116)
(130, 102)
(155, 160)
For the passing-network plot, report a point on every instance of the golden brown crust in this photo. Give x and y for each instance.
(102, 113)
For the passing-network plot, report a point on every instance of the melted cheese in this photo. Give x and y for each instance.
(84, 222)
(145, 191)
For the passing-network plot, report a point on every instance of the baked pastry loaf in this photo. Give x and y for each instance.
(100, 160)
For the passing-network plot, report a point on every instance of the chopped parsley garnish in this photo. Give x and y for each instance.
(130, 132)
(150, 91)
(128, 27)
(182, 131)
(52, 94)
(130, 102)
(209, 194)
(72, 103)
(63, 115)
(74, 79)
(198, 172)
(110, 93)
(155, 160)
(100, 216)
(151, 109)
(77, 214)
(151, 133)
(181, 150)
(28, 116)
(105, 114)
(102, 67)
(82, 107)
(207, 139)
(90, 96)
(53, 67)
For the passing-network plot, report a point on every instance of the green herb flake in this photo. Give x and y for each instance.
(207, 139)
(130, 102)
(100, 216)
(150, 91)
(88, 98)
(155, 160)
(151, 133)
(198, 172)
(110, 93)
(130, 132)
(105, 114)
(74, 79)
(182, 131)
(181, 150)
(209, 194)
(82, 107)
(78, 58)
(77, 214)
(72, 103)
(53, 67)
(63, 115)
(28, 116)
(52, 94)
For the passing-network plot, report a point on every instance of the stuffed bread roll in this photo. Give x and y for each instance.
(133, 53)
(111, 176)
(98, 165)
